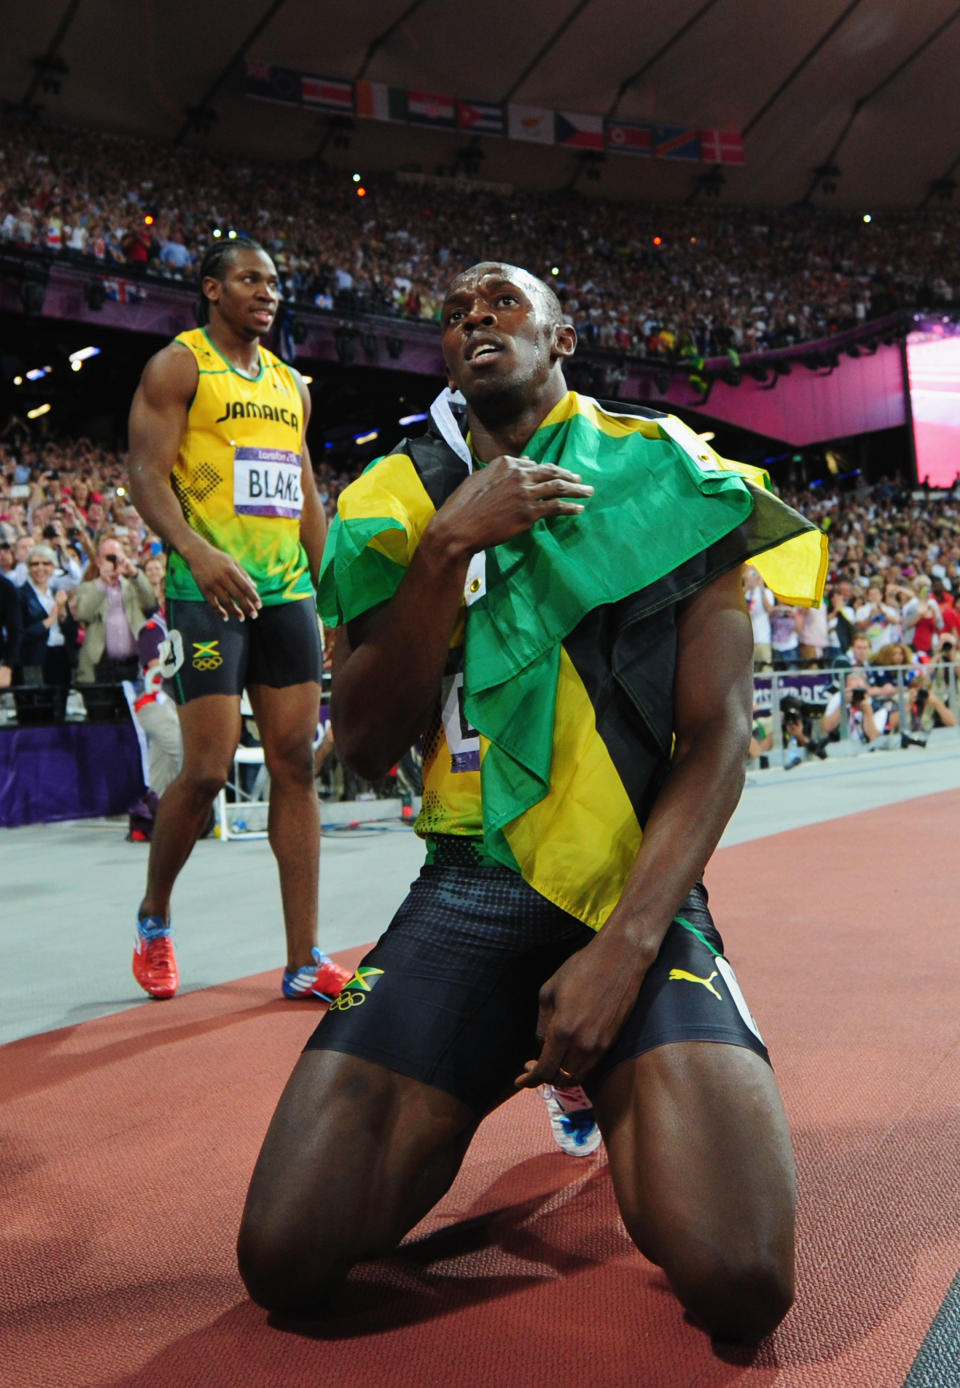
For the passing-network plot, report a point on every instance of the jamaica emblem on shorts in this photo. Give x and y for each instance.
(206, 655)
(354, 992)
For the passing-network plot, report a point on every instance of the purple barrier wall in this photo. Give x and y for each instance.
(68, 771)
(859, 395)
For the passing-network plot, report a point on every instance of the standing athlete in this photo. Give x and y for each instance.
(219, 468)
(553, 601)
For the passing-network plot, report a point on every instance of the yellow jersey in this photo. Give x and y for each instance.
(238, 473)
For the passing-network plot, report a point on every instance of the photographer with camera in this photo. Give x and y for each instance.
(863, 724)
(946, 663)
(926, 711)
(112, 604)
(68, 570)
(796, 730)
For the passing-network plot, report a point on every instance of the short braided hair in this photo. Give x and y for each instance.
(213, 266)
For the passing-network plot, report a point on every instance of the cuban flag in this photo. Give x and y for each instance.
(579, 131)
(431, 108)
(676, 142)
(326, 93)
(721, 147)
(629, 137)
(481, 117)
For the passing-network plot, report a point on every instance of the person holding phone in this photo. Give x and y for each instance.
(112, 604)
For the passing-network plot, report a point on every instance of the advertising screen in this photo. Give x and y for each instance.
(933, 368)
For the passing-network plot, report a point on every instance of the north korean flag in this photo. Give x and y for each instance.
(629, 137)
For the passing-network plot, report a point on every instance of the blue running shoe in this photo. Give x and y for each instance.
(572, 1120)
(322, 980)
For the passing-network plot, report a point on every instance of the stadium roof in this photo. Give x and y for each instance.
(860, 87)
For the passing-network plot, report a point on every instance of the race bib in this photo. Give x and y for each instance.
(171, 654)
(266, 482)
(730, 979)
(462, 738)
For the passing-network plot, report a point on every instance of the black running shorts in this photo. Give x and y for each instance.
(449, 995)
(208, 655)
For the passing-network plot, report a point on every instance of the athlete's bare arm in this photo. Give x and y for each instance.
(158, 421)
(585, 1003)
(387, 670)
(313, 518)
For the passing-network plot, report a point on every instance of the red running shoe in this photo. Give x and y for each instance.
(154, 962)
(322, 980)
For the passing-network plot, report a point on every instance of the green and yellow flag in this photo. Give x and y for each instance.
(568, 664)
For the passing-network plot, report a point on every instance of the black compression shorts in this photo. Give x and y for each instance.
(280, 647)
(449, 995)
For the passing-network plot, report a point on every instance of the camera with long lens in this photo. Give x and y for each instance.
(795, 718)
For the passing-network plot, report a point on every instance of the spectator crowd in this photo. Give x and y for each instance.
(697, 280)
(84, 570)
(894, 554)
(889, 628)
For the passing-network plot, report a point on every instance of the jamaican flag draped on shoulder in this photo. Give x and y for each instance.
(570, 638)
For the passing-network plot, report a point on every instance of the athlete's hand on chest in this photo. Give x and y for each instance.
(505, 498)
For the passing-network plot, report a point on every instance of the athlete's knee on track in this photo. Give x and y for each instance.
(287, 1268)
(732, 1297)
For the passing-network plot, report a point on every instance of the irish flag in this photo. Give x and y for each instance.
(377, 101)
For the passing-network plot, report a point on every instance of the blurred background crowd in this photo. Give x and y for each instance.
(87, 573)
(652, 281)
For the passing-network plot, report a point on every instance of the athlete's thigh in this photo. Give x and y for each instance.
(698, 1143)
(210, 731)
(700, 1154)
(354, 1156)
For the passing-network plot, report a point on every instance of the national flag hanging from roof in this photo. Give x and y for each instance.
(530, 123)
(326, 93)
(721, 147)
(676, 142)
(629, 137)
(267, 83)
(377, 101)
(577, 131)
(481, 117)
(432, 108)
